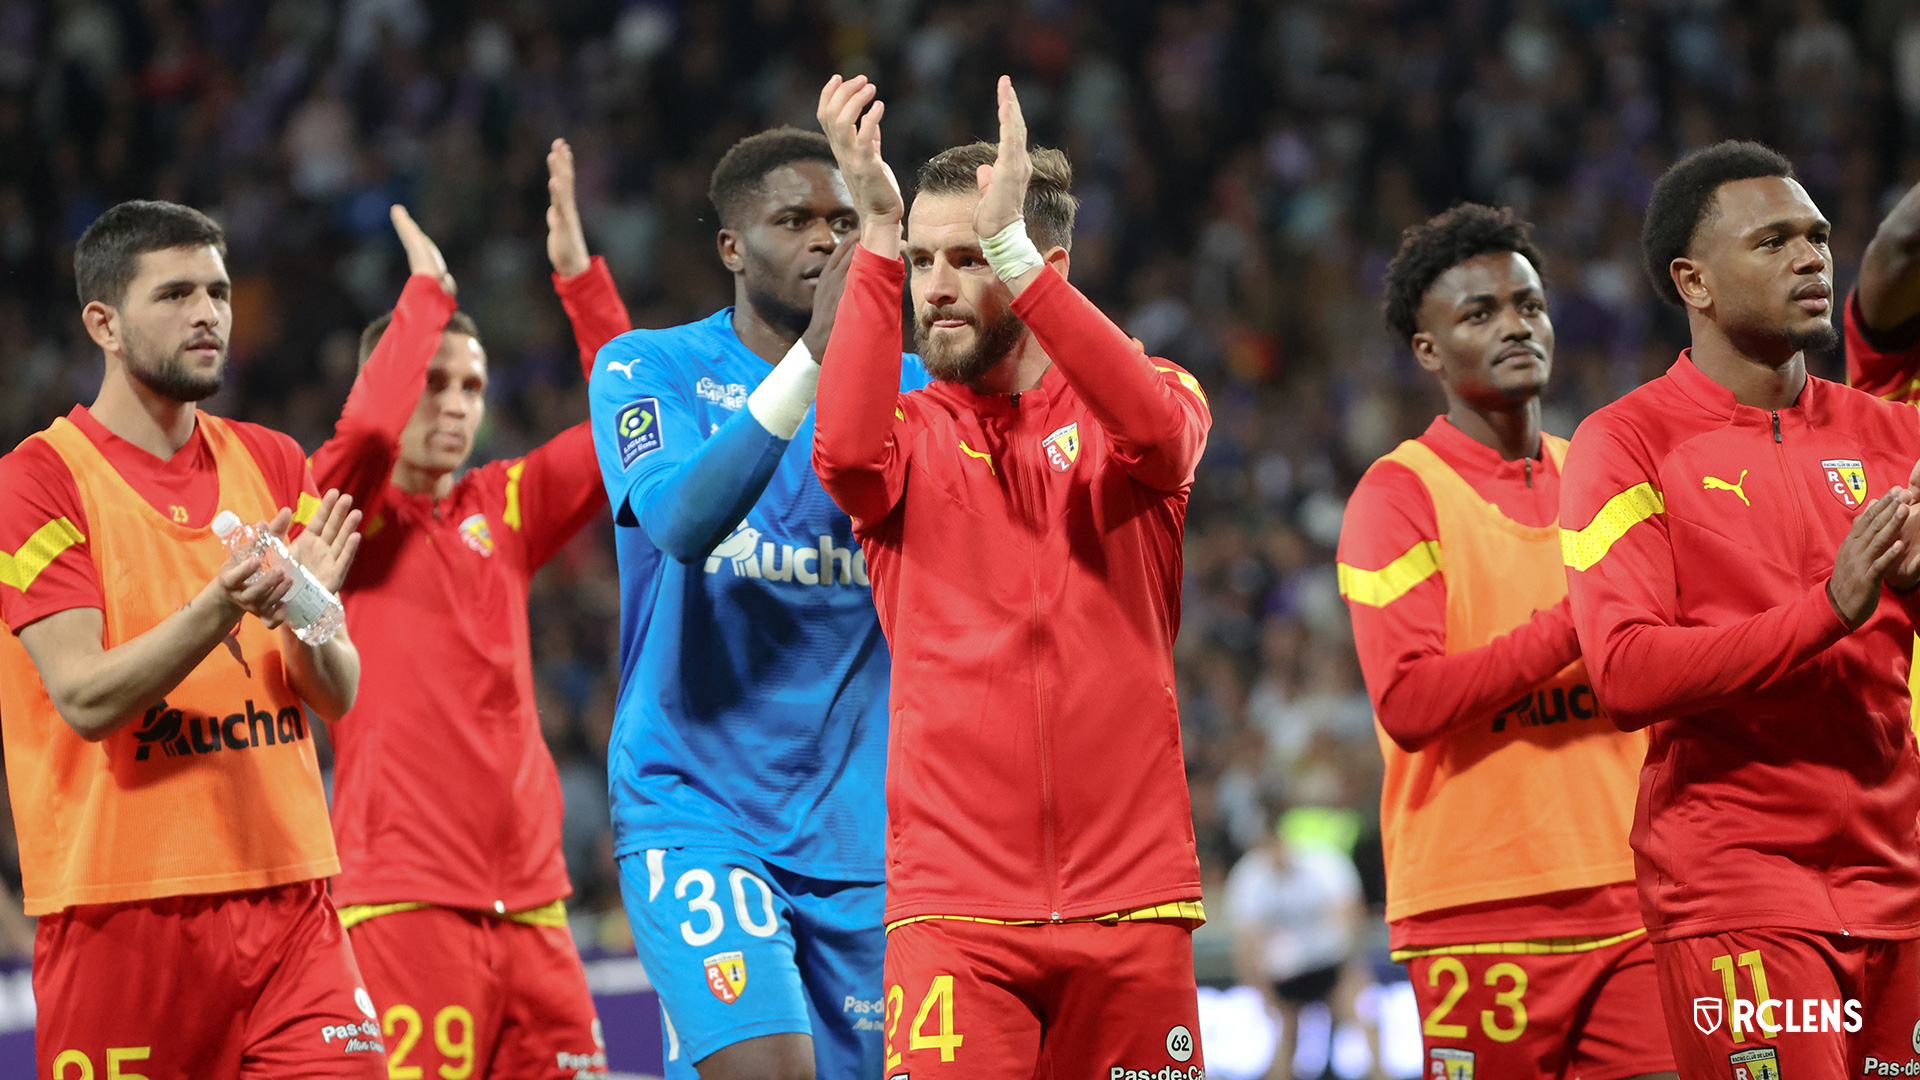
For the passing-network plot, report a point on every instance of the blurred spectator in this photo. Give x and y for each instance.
(1297, 914)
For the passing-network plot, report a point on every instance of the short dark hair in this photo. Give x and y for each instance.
(742, 171)
(108, 254)
(1050, 203)
(1684, 199)
(459, 323)
(1441, 243)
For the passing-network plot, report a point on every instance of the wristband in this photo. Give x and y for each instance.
(781, 400)
(1010, 252)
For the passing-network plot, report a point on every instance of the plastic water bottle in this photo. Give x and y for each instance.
(311, 608)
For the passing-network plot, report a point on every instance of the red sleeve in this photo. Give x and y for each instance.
(1623, 581)
(1155, 413)
(594, 308)
(45, 565)
(1390, 576)
(552, 493)
(859, 428)
(359, 458)
(1885, 365)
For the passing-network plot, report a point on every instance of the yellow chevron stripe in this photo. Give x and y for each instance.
(1378, 588)
(45, 545)
(1581, 548)
(1187, 381)
(304, 510)
(1536, 947)
(512, 515)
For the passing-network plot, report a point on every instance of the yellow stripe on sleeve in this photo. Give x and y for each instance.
(304, 510)
(512, 515)
(1378, 588)
(1581, 548)
(1187, 381)
(45, 545)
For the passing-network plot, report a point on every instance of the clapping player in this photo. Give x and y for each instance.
(751, 735)
(1022, 519)
(446, 802)
(173, 828)
(1729, 568)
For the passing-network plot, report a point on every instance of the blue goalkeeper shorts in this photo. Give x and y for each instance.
(738, 949)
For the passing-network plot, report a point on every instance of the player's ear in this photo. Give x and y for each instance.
(728, 243)
(1426, 351)
(103, 325)
(1689, 278)
(1059, 260)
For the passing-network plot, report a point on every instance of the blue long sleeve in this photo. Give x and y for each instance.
(693, 505)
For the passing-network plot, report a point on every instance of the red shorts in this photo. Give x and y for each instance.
(1822, 985)
(232, 985)
(1593, 1014)
(470, 995)
(1063, 1001)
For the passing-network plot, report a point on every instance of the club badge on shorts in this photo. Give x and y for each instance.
(1846, 480)
(727, 975)
(1062, 448)
(1447, 1063)
(1759, 1063)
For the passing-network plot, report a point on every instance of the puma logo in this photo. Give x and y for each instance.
(1714, 483)
(624, 369)
(232, 642)
(971, 452)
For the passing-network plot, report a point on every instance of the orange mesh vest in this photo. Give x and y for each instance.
(1537, 797)
(214, 789)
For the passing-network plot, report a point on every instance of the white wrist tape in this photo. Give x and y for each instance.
(1010, 252)
(781, 400)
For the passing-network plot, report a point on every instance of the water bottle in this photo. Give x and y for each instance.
(311, 608)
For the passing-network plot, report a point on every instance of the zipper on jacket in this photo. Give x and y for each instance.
(1016, 480)
(1528, 462)
(1793, 499)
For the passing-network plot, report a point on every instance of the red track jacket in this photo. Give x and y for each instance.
(1025, 556)
(1781, 785)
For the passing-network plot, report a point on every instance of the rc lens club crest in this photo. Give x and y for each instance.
(1846, 480)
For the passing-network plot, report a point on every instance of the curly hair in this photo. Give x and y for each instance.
(1441, 243)
(1050, 205)
(742, 170)
(1683, 200)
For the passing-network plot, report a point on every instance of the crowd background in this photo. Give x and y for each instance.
(1245, 169)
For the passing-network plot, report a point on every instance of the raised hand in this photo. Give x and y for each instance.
(566, 240)
(856, 147)
(423, 256)
(1003, 184)
(826, 299)
(1870, 551)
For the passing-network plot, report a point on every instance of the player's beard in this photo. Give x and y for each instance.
(167, 373)
(1821, 340)
(993, 339)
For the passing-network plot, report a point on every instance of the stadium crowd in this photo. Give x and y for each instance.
(1245, 170)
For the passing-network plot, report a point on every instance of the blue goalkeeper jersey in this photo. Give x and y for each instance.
(752, 711)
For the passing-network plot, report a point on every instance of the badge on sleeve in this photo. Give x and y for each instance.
(636, 429)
